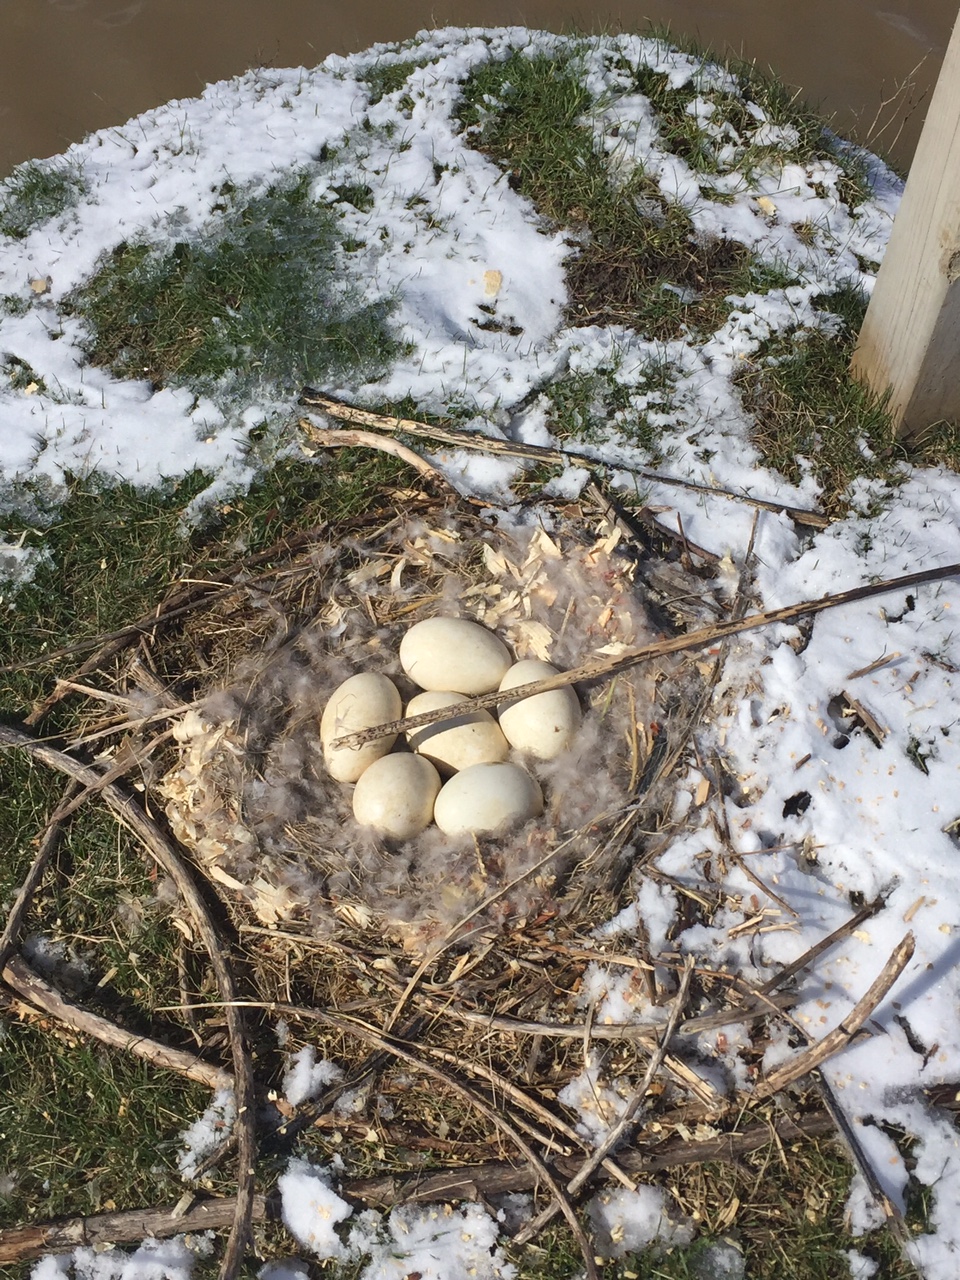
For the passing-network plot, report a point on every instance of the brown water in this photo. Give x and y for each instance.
(70, 66)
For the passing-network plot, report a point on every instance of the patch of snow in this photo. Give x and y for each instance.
(312, 1210)
(627, 1221)
(305, 1077)
(206, 1133)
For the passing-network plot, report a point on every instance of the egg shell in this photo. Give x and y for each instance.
(365, 700)
(395, 795)
(545, 724)
(454, 654)
(487, 799)
(459, 743)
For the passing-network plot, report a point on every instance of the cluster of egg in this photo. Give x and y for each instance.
(457, 772)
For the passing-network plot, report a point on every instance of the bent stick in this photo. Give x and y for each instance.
(32, 989)
(535, 452)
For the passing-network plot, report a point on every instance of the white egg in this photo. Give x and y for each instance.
(455, 744)
(361, 702)
(544, 725)
(487, 799)
(454, 654)
(395, 795)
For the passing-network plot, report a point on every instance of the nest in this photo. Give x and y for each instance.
(249, 794)
(465, 966)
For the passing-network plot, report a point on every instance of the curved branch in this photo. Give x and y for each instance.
(159, 846)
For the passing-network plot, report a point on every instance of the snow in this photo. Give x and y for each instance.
(205, 1134)
(312, 1209)
(436, 1242)
(444, 234)
(627, 1221)
(305, 1076)
(153, 1260)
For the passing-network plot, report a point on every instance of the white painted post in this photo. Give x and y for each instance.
(910, 341)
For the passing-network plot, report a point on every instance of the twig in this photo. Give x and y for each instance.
(31, 882)
(809, 1059)
(617, 1131)
(538, 453)
(22, 1244)
(135, 820)
(370, 440)
(758, 1001)
(354, 1026)
(31, 987)
(604, 670)
(526, 1103)
(848, 1135)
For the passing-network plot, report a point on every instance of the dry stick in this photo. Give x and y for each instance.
(591, 1165)
(860, 1158)
(604, 670)
(354, 1026)
(809, 1059)
(22, 1244)
(48, 843)
(751, 998)
(526, 1103)
(135, 820)
(537, 453)
(369, 440)
(29, 986)
(463, 1182)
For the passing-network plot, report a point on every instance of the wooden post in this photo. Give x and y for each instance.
(910, 341)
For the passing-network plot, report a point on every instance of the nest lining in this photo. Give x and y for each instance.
(251, 797)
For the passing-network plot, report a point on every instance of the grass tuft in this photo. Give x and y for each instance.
(811, 416)
(388, 77)
(36, 192)
(255, 302)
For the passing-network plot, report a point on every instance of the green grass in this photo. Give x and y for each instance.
(592, 407)
(114, 550)
(809, 414)
(780, 106)
(35, 193)
(82, 1128)
(637, 260)
(388, 77)
(85, 1130)
(255, 302)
